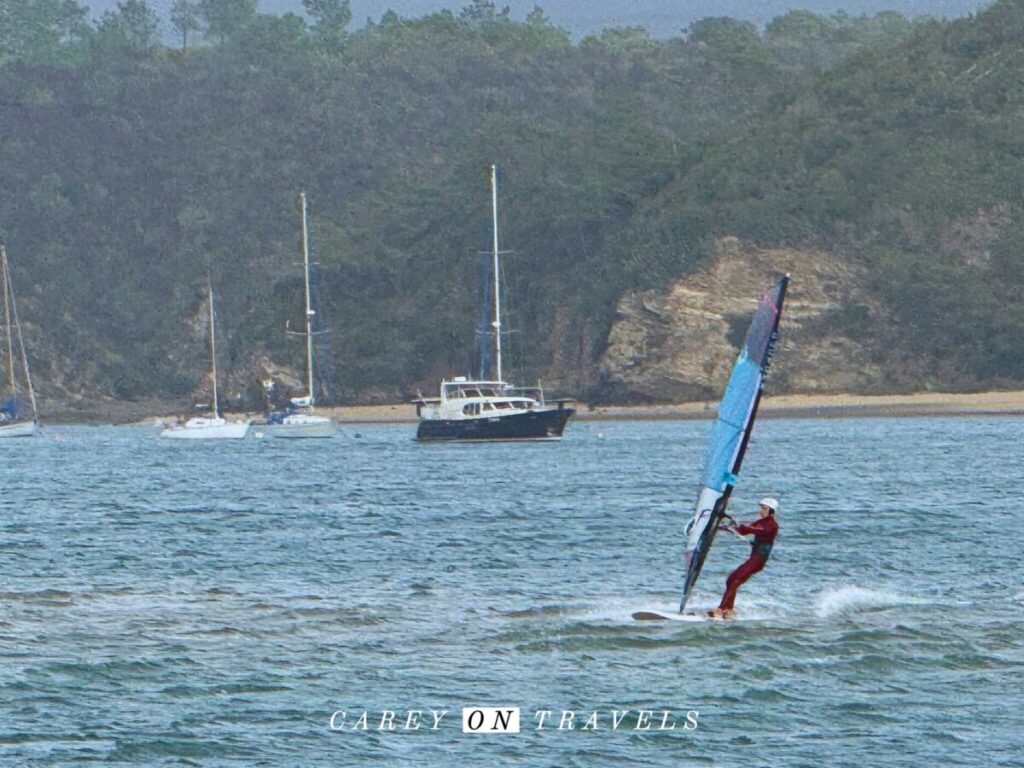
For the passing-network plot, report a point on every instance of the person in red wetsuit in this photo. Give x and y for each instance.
(764, 531)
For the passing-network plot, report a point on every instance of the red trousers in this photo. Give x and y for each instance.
(747, 569)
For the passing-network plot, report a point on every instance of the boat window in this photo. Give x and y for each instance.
(468, 409)
(488, 407)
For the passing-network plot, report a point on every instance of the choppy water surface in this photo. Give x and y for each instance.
(214, 603)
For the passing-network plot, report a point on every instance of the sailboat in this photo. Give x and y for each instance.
(212, 426)
(491, 409)
(300, 420)
(17, 419)
(730, 437)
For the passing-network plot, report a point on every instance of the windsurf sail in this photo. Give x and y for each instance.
(731, 432)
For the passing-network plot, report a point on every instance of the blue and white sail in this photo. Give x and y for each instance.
(731, 432)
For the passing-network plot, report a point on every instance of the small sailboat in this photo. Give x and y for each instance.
(730, 437)
(490, 409)
(18, 418)
(300, 420)
(212, 426)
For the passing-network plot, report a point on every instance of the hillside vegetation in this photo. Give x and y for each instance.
(131, 172)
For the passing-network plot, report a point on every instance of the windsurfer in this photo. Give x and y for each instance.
(764, 530)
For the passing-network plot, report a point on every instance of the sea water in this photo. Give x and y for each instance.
(243, 603)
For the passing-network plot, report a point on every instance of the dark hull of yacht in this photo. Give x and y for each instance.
(538, 424)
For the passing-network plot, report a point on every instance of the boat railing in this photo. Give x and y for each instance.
(537, 393)
(534, 393)
(422, 402)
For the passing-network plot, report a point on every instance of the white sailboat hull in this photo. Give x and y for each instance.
(207, 429)
(19, 429)
(302, 426)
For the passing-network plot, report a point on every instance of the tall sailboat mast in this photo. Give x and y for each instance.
(11, 312)
(309, 308)
(497, 273)
(7, 320)
(213, 352)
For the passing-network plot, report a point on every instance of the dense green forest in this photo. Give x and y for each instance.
(130, 172)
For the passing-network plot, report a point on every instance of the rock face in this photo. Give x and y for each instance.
(680, 344)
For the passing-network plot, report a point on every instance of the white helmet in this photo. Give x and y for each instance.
(772, 504)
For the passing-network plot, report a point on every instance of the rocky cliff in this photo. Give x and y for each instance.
(680, 343)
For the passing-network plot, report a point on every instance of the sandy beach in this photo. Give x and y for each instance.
(1009, 403)
(999, 403)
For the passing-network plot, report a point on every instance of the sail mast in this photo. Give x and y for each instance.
(309, 309)
(9, 294)
(7, 320)
(497, 292)
(213, 352)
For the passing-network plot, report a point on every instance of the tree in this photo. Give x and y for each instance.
(483, 11)
(542, 31)
(138, 23)
(331, 16)
(185, 19)
(225, 17)
(537, 17)
(39, 30)
(724, 33)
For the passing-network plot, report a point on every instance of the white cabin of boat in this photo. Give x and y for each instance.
(464, 398)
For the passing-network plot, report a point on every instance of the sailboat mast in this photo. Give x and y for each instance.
(497, 278)
(309, 309)
(213, 353)
(11, 310)
(7, 319)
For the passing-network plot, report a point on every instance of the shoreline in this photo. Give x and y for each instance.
(924, 404)
(997, 403)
